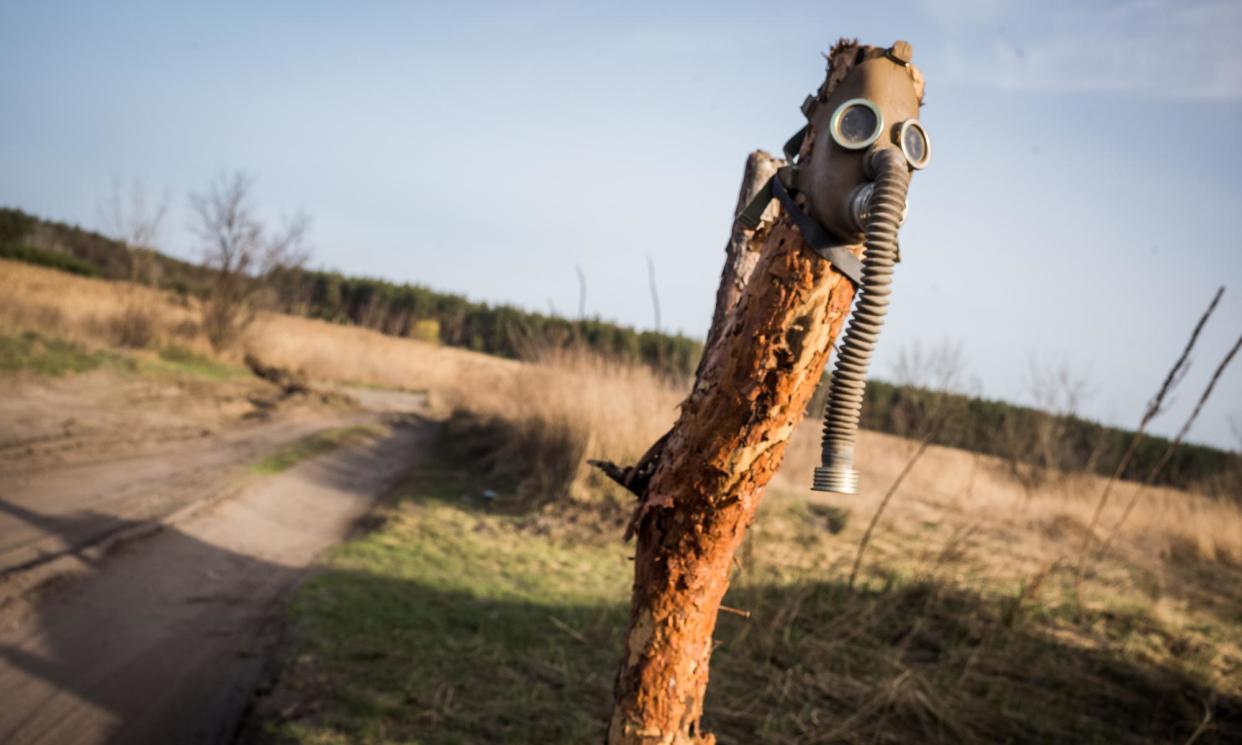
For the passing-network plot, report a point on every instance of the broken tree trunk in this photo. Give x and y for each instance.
(700, 485)
(741, 255)
(726, 445)
(742, 251)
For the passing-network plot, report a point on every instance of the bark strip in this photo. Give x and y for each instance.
(699, 486)
(741, 255)
(742, 251)
(725, 447)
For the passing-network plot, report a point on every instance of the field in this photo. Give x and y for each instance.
(488, 604)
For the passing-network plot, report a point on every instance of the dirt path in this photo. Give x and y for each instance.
(50, 512)
(88, 460)
(164, 641)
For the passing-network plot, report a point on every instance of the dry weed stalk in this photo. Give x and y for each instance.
(1172, 447)
(941, 372)
(1154, 407)
(888, 495)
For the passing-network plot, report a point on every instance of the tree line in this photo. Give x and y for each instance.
(1035, 444)
(1030, 440)
(398, 309)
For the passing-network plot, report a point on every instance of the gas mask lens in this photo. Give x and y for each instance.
(914, 144)
(856, 124)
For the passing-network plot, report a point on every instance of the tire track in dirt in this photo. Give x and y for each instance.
(164, 640)
(49, 512)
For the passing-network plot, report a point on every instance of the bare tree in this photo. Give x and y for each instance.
(928, 377)
(241, 251)
(1058, 391)
(1038, 446)
(135, 219)
(581, 291)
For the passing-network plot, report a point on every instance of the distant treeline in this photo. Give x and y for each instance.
(403, 310)
(1013, 433)
(979, 425)
(397, 309)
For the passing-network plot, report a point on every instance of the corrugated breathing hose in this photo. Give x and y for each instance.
(849, 378)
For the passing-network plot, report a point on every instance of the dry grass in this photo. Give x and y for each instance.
(329, 351)
(458, 624)
(1167, 523)
(99, 313)
(570, 407)
(573, 406)
(92, 311)
(963, 628)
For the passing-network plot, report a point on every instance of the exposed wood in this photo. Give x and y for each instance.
(742, 251)
(725, 447)
(741, 255)
(700, 486)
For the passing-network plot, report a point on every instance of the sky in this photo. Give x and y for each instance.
(1083, 202)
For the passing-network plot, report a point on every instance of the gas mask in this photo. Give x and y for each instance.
(868, 142)
(851, 190)
(875, 108)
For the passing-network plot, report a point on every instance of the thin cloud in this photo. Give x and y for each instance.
(1147, 47)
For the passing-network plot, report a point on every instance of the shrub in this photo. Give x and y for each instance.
(51, 259)
(133, 327)
(426, 329)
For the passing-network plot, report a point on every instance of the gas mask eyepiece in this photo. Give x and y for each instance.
(914, 143)
(856, 124)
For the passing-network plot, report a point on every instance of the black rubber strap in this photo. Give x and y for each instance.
(820, 240)
(749, 217)
(794, 144)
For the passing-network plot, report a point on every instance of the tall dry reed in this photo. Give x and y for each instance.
(568, 406)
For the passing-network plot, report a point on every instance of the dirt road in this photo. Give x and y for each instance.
(162, 640)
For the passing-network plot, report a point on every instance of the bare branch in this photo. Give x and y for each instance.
(581, 291)
(133, 218)
(244, 255)
(1154, 407)
(1173, 446)
(655, 293)
(226, 224)
(290, 248)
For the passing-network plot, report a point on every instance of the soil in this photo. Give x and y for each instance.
(171, 563)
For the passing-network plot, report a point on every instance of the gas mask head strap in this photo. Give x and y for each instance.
(820, 240)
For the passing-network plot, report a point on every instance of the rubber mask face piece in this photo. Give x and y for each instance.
(876, 105)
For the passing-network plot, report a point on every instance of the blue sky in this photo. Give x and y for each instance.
(1084, 199)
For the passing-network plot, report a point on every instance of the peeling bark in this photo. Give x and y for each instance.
(741, 255)
(742, 251)
(725, 447)
(700, 486)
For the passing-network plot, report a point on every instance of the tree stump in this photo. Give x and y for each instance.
(700, 485)
(742, 250)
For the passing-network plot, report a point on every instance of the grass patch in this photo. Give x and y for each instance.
(54, 356)
(50, 356)
(311, 446)
(457, 624)
(179, 360)
(450, 625)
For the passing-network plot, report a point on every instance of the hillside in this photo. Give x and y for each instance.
(487, 606)
(980, 425)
